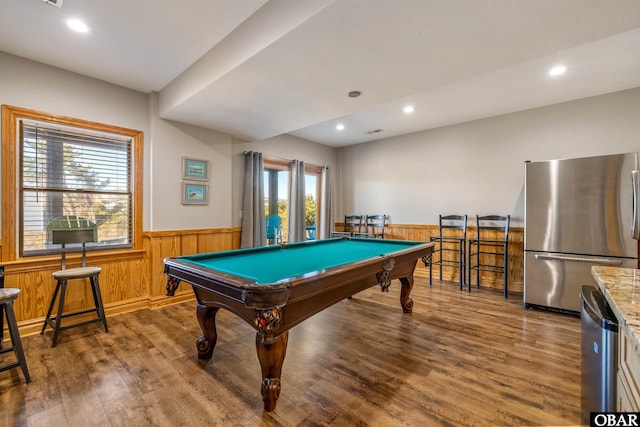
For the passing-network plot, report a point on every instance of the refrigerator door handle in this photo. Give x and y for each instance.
(635, 218)
(593, 260)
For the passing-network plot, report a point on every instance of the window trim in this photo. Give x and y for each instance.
(10, 173)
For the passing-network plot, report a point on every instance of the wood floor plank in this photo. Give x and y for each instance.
(460, 359)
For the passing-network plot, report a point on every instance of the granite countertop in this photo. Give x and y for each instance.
(621, 289)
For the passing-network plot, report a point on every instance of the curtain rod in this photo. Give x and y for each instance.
(288, 161)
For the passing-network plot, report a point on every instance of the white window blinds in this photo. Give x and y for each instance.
(72, 177)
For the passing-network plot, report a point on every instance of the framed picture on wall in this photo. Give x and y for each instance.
(195, 169)
(195, 193)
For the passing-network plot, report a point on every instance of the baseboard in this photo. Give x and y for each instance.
(164, 301)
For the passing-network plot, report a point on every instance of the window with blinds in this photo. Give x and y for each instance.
(73, 178)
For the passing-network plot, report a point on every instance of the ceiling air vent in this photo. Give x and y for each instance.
(56, 3)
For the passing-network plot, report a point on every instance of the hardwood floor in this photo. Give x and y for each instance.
(459, 359)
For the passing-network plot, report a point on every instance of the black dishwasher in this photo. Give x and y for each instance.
(599, 338)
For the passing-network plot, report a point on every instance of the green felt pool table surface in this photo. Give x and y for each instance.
(270, 264)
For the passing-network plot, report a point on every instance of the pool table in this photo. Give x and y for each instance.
(276, 287)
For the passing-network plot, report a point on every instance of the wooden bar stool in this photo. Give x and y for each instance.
(63, 276)
(7, 295)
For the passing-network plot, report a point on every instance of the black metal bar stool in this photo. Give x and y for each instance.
(351, 222)
(7, 296)
(63, 276)
(374, 226)
(489, 250)
(450, 246)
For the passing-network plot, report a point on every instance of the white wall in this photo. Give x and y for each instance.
(32, 85)
(29, 84)
(172, 141)
(36, 86)
(478, 167)
(475, 167)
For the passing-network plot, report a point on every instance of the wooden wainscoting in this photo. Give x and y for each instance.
(130, 280)
(161, 244)
(423, 232)
(123, 284)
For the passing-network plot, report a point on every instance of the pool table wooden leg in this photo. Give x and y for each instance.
(207, 320)
(271, 356)
(405, 301)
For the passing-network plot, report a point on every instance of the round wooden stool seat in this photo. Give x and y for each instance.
(76, 273)
(8, 294)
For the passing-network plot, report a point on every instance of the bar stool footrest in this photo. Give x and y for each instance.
(10, 366)
(51, 322)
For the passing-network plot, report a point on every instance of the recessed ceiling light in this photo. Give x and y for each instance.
(57, 3)
(557, 70)
(77, 25)
(340, 126)
(409, 109)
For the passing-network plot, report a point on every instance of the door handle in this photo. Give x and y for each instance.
(635, 218)
(577, 258)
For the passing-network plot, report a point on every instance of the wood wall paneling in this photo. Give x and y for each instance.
(159, 245)
(131, 280)
(423, 233)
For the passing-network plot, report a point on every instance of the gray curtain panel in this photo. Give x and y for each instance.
(297, 230)
(325, 220)
(253, 219)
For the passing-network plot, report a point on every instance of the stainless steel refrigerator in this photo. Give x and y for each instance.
(578, 213)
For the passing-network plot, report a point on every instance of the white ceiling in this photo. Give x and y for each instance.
(257, 69)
